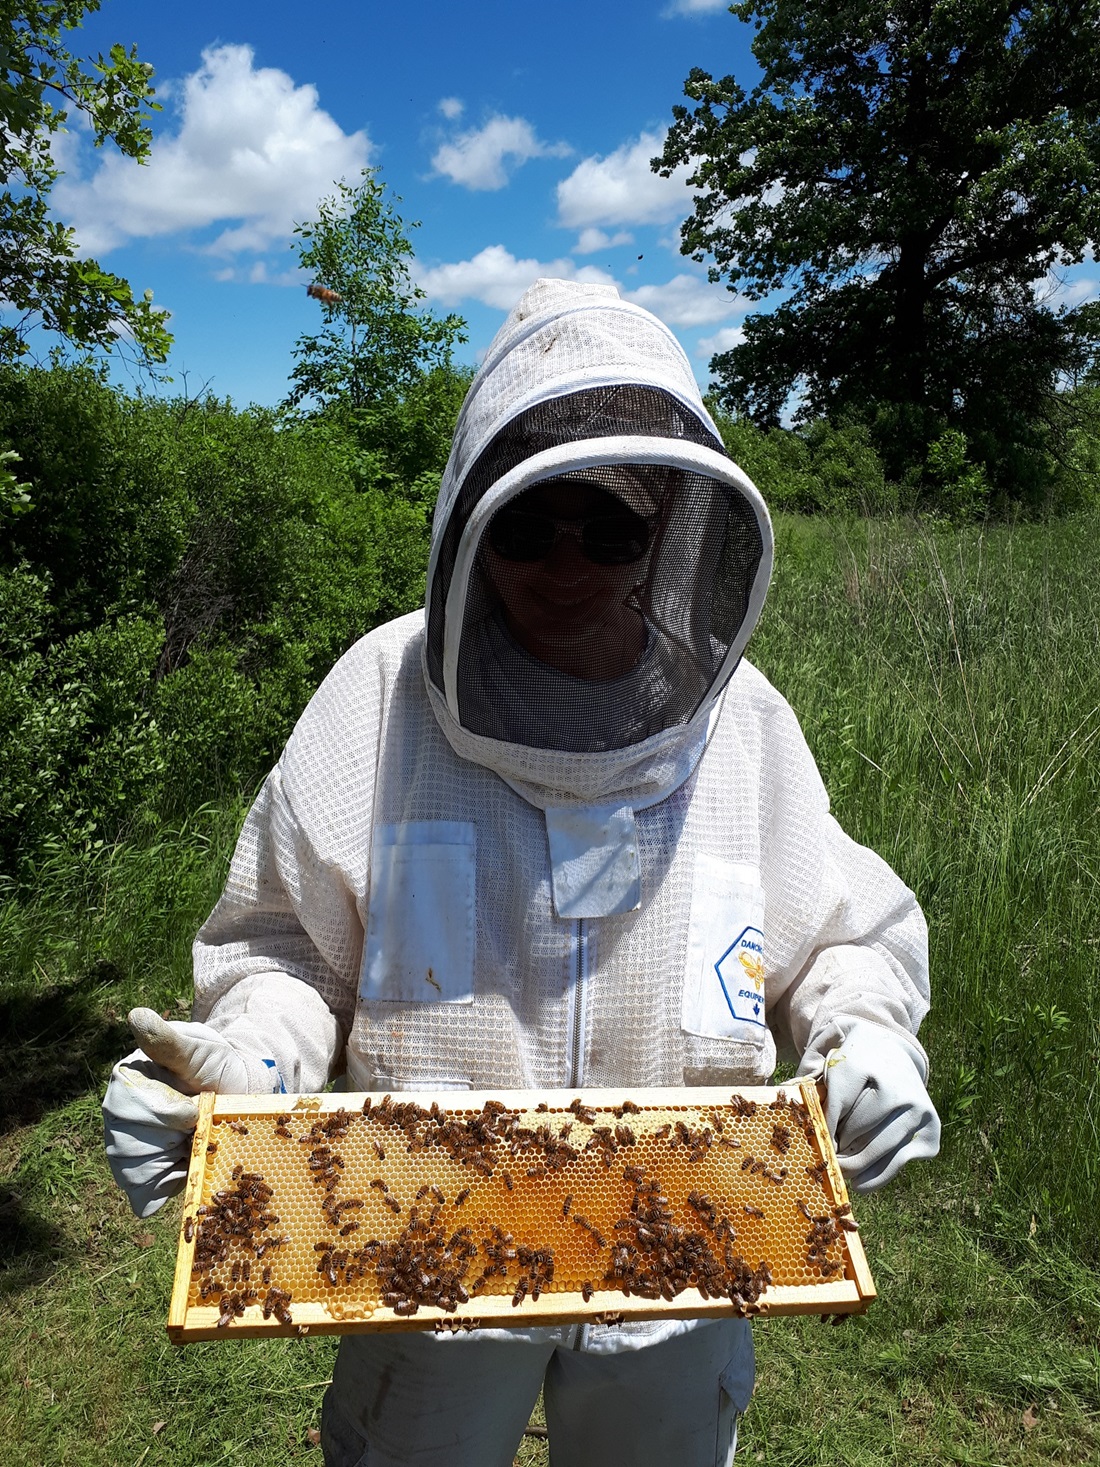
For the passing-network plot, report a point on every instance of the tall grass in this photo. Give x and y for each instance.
(949, 685)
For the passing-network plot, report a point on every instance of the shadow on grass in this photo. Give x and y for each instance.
(59, 1040)
(29, 1244)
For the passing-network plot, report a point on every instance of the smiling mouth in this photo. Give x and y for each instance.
(564, 604)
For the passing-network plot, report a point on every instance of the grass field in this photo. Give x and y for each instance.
(950, 687)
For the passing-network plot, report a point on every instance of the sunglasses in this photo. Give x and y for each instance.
(617, 537)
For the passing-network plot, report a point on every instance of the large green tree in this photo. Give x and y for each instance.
(43, 280)
(905, 174)
(376, 338)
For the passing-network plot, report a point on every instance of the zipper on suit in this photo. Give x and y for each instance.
(577, 1006)
(576, 1047)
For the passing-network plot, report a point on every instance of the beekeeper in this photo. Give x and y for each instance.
(553, 831)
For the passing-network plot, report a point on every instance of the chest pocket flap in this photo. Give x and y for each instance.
(420, 927)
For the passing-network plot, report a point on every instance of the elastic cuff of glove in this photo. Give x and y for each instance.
(277, 1085)
(815, 1061)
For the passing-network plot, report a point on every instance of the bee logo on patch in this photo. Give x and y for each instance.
(754, 968)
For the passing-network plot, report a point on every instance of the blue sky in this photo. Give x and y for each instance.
(519, 135)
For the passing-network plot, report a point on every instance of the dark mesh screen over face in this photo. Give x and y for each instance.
(566, 651)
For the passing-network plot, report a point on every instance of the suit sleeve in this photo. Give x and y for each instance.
(849, 939)
(277, 962)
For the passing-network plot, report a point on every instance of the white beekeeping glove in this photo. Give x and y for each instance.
(148, 1115)
(876, 1105)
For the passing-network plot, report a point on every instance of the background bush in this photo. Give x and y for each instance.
(185, 576)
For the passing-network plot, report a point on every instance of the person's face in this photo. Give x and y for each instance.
(565, 602)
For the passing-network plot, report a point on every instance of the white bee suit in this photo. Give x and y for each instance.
(580, 906)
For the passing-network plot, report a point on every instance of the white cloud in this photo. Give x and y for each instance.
(724, 340)
(253, 150)
(451, 107)
(695, 7)
(495, 277)
(1059, 289)
(623, 189)
(686, 300)
(476, 158)
(258, 274)
(592, 240)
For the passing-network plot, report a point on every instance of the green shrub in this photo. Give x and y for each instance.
(184, 578)
(820, 469)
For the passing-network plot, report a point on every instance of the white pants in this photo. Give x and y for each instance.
(403, 1399)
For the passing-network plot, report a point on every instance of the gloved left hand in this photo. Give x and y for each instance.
(877, 1107)
(148, 1113)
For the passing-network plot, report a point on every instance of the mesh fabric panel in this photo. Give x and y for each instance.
(686, 599)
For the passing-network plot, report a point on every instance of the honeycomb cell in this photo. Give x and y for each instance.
(390, 1209)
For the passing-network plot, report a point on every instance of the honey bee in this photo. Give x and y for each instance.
(461, 1198)
(507, 1178)
(188, 1229)
(324, 295)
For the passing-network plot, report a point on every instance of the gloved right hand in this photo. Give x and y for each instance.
(876, 1106)
(148, 1115)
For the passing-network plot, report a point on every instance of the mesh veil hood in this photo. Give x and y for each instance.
(583, 387)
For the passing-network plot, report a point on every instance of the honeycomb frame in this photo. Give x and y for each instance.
(752, 1173)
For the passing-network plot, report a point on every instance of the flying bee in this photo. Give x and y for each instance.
(324, 295)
